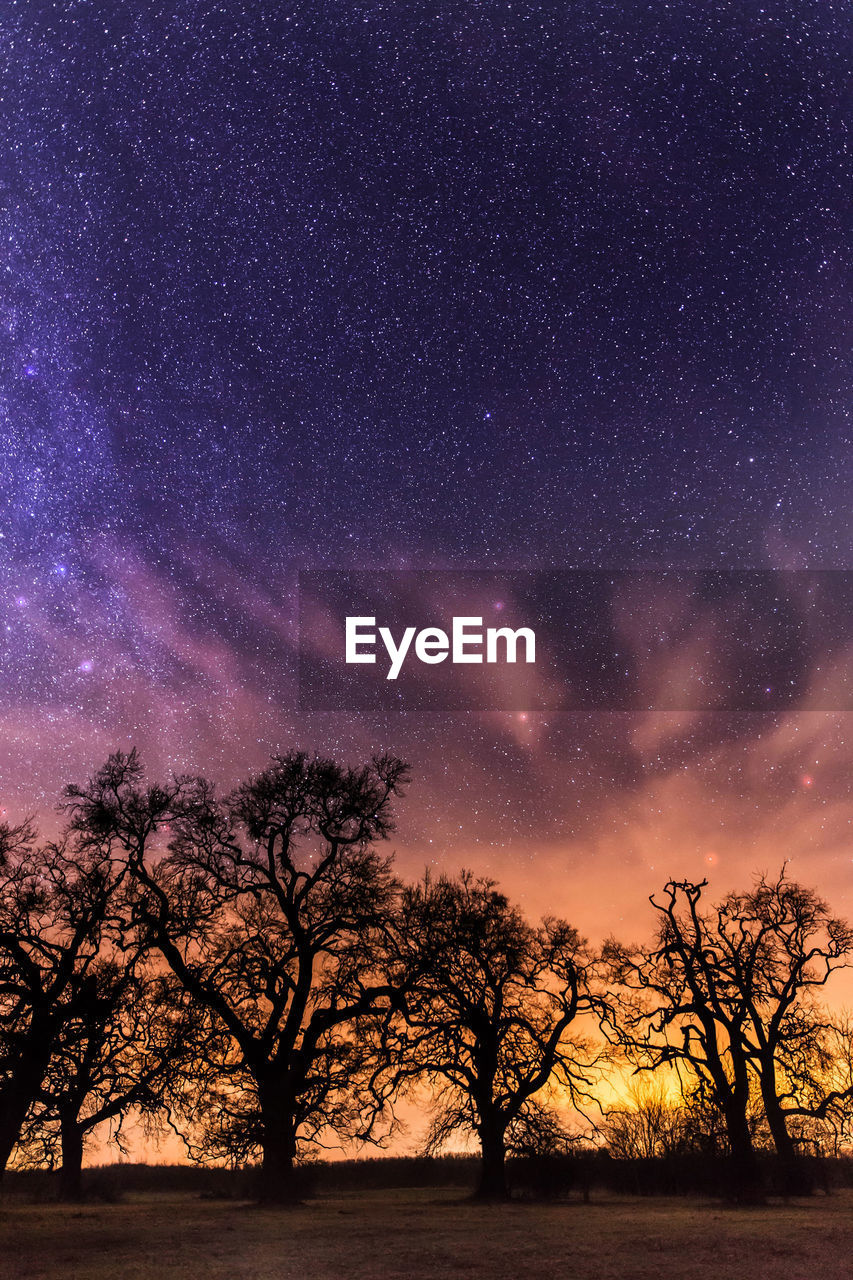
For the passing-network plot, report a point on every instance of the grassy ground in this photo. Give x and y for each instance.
(427, 1234)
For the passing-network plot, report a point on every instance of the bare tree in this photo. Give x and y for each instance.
(649, 1124)
(679, 1008)
(777, 946)
(127, 1032)
(489, 1001)
(268, 908)
(55, 903)
(826, 1085)
(728, 992)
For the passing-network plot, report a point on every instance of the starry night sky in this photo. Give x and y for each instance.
(346, 285)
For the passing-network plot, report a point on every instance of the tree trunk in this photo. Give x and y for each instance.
(493, 1184)
(745, 1185)
(795, 1179)
(11, 1119)
(22, 1085)
(71, 1173)
(15, 1100)
(278, 1183)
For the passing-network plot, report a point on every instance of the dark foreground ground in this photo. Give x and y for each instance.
(427, 1233)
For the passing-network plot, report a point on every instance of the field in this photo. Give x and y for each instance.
(426, 1234)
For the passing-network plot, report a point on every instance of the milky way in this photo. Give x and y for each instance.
(392, 286)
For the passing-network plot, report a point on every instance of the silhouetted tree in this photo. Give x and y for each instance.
(649, 1124)
(119, 1052)
(489, 1001)
(55, 904)
(679, 1008)
(729, 992)
(826, 1085)
(776, 945)
(268, 907)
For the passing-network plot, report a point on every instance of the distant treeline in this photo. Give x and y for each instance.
(249, 971)
(553, 1177)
